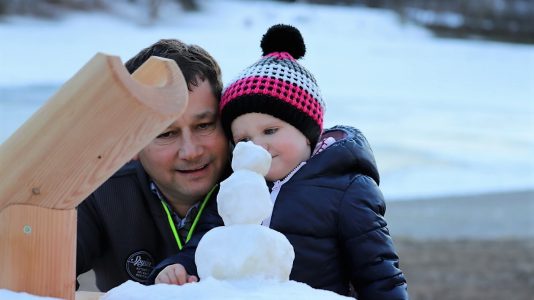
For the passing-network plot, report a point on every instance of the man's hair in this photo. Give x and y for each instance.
(194, 62)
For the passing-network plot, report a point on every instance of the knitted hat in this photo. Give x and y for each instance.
(277, 85)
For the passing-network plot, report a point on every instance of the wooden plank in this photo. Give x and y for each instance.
(38, 248)
(92, 126)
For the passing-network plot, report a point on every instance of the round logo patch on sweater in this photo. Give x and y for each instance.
(139, 265)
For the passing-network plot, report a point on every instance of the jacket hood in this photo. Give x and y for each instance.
(350, 153)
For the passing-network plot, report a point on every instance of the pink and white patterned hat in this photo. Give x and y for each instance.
(277, 85)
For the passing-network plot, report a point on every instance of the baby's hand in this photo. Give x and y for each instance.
(175, 274)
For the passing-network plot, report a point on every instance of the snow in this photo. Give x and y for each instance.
(11, 295)
(443, 116)
(249, 156)
(244, 251)
(236, 188)
(244, 197)
(211, 288)
(243, 248)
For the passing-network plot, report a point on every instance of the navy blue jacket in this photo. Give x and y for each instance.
(123, 230)
(332, 212)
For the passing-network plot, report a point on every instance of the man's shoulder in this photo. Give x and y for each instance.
(129, 169)
(131, 173)
(128, 181)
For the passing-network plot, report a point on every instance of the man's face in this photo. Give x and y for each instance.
(189, 157)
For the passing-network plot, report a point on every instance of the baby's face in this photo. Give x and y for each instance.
(286, 144)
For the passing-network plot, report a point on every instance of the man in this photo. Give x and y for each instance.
(156, 205)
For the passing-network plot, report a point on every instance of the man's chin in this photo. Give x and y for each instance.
(199, 191)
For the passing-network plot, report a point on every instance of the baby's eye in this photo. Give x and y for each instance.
(270, 131)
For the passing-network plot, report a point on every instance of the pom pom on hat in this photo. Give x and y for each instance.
(283, 38)
(277, 85)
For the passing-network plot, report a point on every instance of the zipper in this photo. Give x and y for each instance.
(276, 189)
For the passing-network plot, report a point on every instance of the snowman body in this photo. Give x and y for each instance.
(247, 249)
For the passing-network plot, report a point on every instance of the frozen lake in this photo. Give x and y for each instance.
(444, 116)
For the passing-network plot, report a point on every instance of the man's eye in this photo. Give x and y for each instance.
(166, 135)
(206, 126)
(270, 131)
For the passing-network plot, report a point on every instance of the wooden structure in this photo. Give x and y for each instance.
(94, 124)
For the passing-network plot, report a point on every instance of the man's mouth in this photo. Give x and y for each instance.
(192, 170)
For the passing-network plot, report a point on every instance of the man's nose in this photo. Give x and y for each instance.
(190, 147)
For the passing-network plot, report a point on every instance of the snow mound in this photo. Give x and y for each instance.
(210, 288)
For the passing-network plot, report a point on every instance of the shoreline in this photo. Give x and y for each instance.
(475, 247)
(468, 269)
(466, 247)
(484, 216)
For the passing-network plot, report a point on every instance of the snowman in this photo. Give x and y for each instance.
(243, 259)
(247, 249)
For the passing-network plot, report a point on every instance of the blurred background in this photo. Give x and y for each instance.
(442, 89)
(506, 20)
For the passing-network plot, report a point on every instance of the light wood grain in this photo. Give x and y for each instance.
(92, 126)
(37, 250)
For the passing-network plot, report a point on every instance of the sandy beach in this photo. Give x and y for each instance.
(462, 248)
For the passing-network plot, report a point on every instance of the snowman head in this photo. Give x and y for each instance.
(249, 156)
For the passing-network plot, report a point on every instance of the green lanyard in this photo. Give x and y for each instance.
(193, 226)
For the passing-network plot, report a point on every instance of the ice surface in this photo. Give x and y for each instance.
(425, 104)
